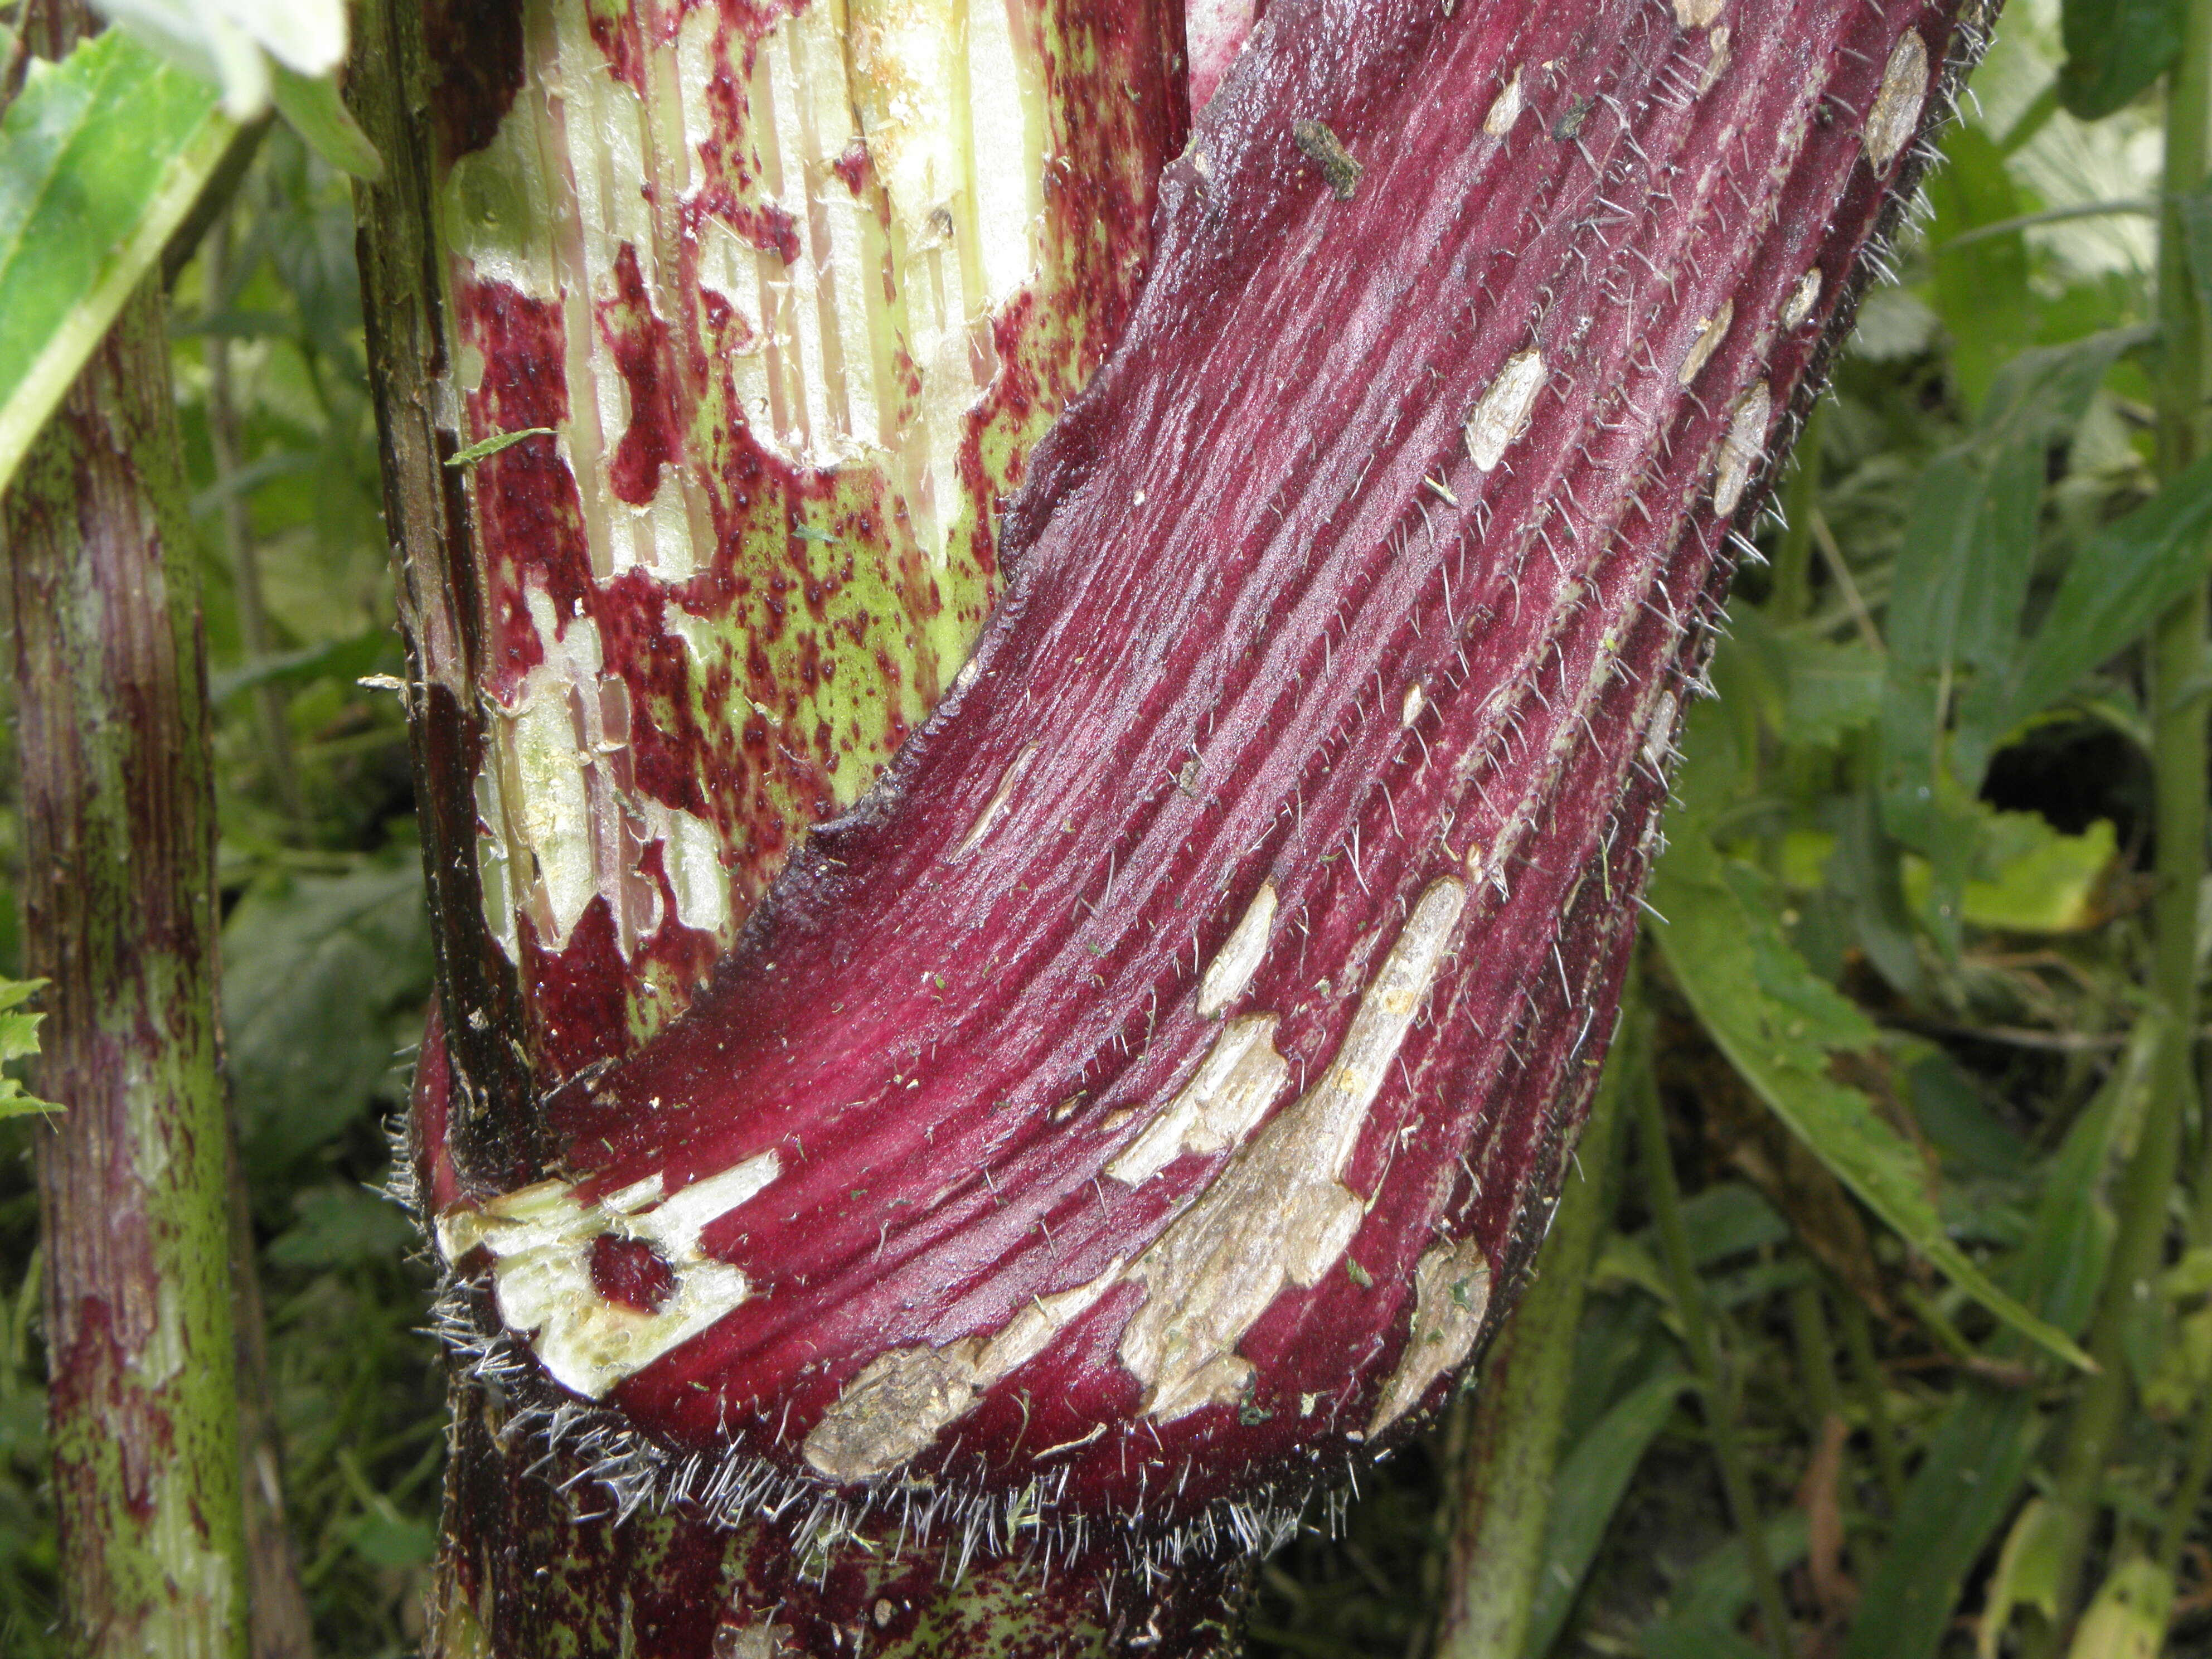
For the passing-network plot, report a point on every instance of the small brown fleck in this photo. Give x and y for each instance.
(1326, 151)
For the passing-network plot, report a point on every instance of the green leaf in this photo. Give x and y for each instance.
(1977, 1460)
(1961, 582)
(322, 974)
(2114, 50)
(18, 1040)
(1981, 289)
(1970, 544)
(2027, 1575)
(2128, 1618)
(100, 158)
(1959, 1123)
(314, 109)
(1833, 690)
(491, 446)
(393, 1540)
(2115, 586)
(1715, 1593)
(2194, 210)
(339, 1225)
(2035, 879)
(1778, 1024)
(1591, 1481)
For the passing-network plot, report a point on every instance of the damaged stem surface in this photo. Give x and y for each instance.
(1137, 1107)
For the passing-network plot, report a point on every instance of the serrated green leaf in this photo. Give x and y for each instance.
(1981, 289)
(2115, 585)
(1961, 584)
(1777, 1023)
(18, 1040)
(100, 158)
(313, 108)
(2114, 50)
(1833, 689)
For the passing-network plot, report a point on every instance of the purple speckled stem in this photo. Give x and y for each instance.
(1145, 1100)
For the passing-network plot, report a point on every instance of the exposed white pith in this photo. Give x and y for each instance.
(903, 1400)
(1895, 116)
(1505, 108)
(1451, 1294)
(1659, 733)
(1236, 1083)
(1502, 414)
(1802, 298)
(1741, 447)
(1279, 1213)
(541, 1237)
(557, 830)
(1711, 330)
(1238, 959)
(1716, 59)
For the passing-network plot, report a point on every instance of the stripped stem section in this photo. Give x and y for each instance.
(785, 294)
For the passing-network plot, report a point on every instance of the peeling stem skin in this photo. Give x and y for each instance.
(118, 891)
(961, 1314)
(969, 1045)
(794, 288)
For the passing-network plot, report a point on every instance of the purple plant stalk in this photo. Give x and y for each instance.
(1145, 1100)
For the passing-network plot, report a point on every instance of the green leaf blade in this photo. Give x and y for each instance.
(100, 158)
(1777, 1023)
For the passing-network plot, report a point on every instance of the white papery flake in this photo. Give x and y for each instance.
(541, 1238)
(1895, 116)
(1502, 414)
(1279, 1214)
(1451, 1294)
(1745, 442)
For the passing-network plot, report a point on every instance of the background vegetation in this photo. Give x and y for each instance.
(1897, 1020)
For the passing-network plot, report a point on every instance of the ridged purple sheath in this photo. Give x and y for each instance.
(1147, 1097)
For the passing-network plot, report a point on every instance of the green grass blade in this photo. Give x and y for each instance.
(1978, 1457)
(1592, 1480)
(101, 157)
